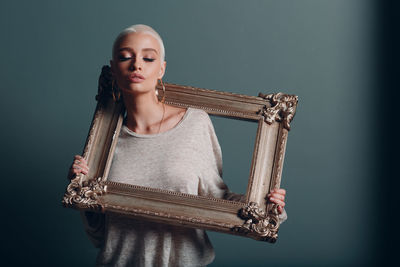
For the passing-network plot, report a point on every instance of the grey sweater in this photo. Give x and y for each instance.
(186, 159)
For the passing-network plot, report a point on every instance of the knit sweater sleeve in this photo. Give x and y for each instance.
(94, 225)
(211, 183)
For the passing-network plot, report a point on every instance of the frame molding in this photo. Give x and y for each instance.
(253, 218)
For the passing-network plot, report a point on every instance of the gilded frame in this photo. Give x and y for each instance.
(253, 218)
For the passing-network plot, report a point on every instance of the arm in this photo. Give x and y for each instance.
(94, 225)
(93, 222)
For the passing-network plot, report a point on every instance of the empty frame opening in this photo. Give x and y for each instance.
(236, 138)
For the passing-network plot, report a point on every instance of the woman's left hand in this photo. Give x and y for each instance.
(277, 196)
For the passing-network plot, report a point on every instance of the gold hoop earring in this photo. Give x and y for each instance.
(163, 88)
(116, 93)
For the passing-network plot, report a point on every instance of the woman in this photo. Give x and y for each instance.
(160, 146)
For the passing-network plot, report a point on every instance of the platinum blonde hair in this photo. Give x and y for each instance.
(140, 28)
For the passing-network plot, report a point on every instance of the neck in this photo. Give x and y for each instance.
(144, 112)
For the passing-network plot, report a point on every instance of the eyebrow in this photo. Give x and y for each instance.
(144, 49)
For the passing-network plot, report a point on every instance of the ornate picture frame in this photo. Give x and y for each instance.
(253, 218)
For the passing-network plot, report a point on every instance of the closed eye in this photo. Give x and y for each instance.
(124, 58)
(148, 59)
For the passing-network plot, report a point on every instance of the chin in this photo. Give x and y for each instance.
(139, 88)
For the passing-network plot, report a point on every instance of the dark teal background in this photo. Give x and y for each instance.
(324, 51)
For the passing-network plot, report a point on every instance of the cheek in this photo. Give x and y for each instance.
(152, 82)
(119, 77)
(154, 73)
(120, 70)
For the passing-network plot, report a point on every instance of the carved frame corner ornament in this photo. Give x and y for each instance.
(258, 224)
(283, 108)
(85, 195)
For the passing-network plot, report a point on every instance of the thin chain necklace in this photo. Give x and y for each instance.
(162, 119)
(159, 126)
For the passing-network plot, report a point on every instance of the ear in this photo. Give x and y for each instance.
(162, 70)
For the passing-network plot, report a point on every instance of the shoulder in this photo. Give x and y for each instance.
(177, 114)
(173, 116)
(197, 120)
(200, 115)
(174, 113)
(200, 120)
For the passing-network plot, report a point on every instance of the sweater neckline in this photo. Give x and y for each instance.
(177, 126)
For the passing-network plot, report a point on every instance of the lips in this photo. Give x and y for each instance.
(136, 78)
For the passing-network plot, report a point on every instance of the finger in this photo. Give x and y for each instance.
(277, 201)
(278, 196)
(80, 171)
(81, 164)
(280, 209)
(76, 172)
(80, 168)
(279, 191)
(85, 170)
(79, 161)
(84, 166)
(76, 165)
(80, 158)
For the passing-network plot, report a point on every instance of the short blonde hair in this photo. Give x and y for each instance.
(140, 28)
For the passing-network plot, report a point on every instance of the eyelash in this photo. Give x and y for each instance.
(122, 58)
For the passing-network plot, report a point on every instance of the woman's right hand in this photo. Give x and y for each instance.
(78, 166)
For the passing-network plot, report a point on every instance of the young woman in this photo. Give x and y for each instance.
(160, 146)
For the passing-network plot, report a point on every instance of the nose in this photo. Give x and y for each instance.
(135, 65)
